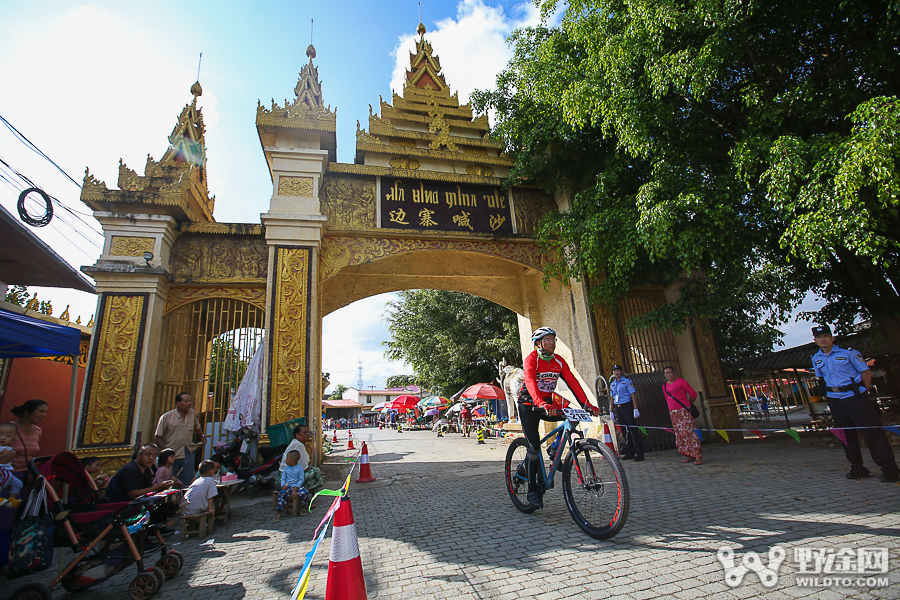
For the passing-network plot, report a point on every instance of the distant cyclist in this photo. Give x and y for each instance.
(536, 400)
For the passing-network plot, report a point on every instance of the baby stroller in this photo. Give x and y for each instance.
(106, 538)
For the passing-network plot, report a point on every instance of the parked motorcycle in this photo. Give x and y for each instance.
(256, 474)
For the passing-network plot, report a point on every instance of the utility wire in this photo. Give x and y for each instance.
(29, 143)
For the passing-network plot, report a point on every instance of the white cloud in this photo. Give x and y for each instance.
(355, 333)
(472, 47)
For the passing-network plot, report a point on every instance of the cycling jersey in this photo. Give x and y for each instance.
(540, 382)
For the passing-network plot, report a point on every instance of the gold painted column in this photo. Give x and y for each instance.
(289, 334)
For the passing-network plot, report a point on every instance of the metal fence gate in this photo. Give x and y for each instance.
(208, 345)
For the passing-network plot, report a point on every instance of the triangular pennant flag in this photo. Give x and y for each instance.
(699, 434)
(839, 434)
(758, 433)
(893, 429)
(642, 429)
(669, 430)
(793, 433)
(619, 428)
(724, 434)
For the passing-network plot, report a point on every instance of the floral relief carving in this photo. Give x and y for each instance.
(289, 333)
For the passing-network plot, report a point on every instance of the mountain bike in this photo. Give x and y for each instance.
(593, 480)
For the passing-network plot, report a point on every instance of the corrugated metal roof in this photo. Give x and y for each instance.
(869, 344)
(341, 404)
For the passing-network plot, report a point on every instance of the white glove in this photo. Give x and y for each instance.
(637, 413)
(612, 415)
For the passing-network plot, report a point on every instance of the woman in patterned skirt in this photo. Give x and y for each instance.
(679, 396)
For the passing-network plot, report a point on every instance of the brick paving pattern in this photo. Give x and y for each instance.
(438, 523)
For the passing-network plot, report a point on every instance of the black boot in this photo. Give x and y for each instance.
(534, 493)
(534, 499)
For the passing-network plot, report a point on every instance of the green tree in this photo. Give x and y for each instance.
(749, 149)
(338, 392)
(226, 370)
(400, 381)
(451, 339)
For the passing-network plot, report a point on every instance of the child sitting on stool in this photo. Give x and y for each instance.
(10, 485)
(200, 494)
(291, 483)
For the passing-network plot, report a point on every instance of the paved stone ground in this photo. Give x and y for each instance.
(439, 524)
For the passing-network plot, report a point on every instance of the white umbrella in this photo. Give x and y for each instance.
(245, 408)
(455, 408)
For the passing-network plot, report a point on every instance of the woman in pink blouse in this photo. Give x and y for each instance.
(27, 441)
(679, 395)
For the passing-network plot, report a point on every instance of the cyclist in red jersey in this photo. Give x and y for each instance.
(537, 400)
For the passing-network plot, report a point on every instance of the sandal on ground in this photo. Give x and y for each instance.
(698, 462)
(277, 519)
(688, 460)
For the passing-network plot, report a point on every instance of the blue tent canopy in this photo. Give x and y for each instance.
(22, 336)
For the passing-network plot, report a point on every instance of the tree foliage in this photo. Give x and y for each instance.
(226, 370)
(451, 339)
(400, 381)
(749, 149)
(338, 392)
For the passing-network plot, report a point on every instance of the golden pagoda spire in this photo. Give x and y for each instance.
(186, 142)
(308, 89)
(425, 67)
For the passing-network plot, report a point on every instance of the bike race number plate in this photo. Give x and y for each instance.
(576, 414)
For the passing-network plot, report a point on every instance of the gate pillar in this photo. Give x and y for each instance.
(133, 282)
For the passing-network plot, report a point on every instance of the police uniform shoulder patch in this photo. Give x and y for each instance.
(819, 362)
(858, 356)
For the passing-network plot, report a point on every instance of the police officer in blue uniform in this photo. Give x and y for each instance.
(847, 380)
(623, 408)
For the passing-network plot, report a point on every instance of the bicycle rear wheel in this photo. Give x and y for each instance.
(517, 475)
(596, 489)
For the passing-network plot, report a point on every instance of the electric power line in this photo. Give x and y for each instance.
(37, 150)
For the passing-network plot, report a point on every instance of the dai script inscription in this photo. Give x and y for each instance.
(440, 206)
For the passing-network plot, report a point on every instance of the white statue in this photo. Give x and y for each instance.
(512, 379)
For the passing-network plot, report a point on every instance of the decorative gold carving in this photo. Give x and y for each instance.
(112, 372)
(530, 205)
(121, 245)
(479, 170)
(288, 332)
(83, 350)
(608, 339)
(478, 123)
(404, 162)
(438, 154)
(223, 228)
(308, 90)
(130, 180)
(340, 251)
(349, 203)
(111, 459)
(179, 296)
(91, 183)
(411, 174)
(218, 258)
(295, 186)
(403, 142)
(709, 359)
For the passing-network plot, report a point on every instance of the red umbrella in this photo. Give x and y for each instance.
(484, 391)
(404, 401)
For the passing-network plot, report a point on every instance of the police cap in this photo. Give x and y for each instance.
(821, 330)
(619, 367)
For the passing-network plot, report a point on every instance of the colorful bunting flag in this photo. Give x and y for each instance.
(793, 433)
(839, 434)
(724, 434)
(699, 434)
(893, 429)
(758, 433)
(642, 429)
(669, 430)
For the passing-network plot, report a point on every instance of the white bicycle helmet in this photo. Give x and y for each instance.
(541, 333)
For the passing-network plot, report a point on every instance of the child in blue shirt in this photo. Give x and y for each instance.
(291, 483)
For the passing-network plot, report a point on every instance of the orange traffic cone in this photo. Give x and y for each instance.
(607, 437)
(345, 574)
(350, 445)
(365, 471)
(334, 439)
(380, 425)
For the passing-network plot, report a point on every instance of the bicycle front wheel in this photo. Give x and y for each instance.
(517, 475)
(595, 489)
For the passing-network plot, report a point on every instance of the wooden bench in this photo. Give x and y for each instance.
(295, 503)
(201, 524)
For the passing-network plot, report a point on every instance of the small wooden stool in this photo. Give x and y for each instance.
(295, 503)
(201, 524)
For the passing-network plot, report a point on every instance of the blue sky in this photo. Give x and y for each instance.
(95, 82)
(92, 83)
